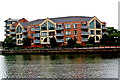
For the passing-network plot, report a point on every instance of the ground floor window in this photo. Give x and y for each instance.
(67, 38)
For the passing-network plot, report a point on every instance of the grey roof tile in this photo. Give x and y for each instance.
(71, 19)
(9, 19)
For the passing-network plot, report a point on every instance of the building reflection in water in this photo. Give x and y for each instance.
(58, 66)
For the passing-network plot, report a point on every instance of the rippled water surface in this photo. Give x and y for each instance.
(59, 66)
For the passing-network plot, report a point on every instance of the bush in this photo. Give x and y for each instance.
(64, 46)
(89, 45)
(18, 48)
(78, 45)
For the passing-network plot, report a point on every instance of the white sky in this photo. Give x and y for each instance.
(105, 10)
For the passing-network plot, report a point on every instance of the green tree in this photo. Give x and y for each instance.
(104, 40)
(111, 30)
(9, 42)
(71, 43)
(91, 40)
(27, 42)
(53, 42)
(114, 38)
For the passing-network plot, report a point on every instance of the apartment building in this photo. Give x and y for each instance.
(79, 28)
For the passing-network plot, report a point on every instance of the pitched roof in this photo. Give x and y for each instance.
(71, 19)
(59, 20)
(62, 19)
(24, 24)
(9, 19)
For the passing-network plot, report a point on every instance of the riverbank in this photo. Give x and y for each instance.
(85, 50)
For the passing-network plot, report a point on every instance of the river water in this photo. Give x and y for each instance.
(59, 66)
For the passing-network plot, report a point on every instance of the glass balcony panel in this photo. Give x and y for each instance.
(60, 34)
(84, 39)
(59, 28)
(85, 33)
(60, 40)
(84, 27)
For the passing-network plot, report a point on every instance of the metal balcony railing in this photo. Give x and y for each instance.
(60, 40)
(7, 29)
(36, 35)
(60, 34)
(84, 39)
(85, 33)
(84, 27)
(12, 32)
(59, 28)
(24, 36)
(12, 28)
(24, 31)
(104, 28)
(36, 41)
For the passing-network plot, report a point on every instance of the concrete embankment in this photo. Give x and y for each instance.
(86, 50)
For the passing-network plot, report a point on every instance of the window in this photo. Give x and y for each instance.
(75, 26)
(75, 32)
(7, 27)
(59, 25)
(97, 38)
(44, 26)
(19, 29)
(91, 31)
(32, 34)
(67, 38)
(98, 25)
(67, 26)
(19, 41)
(32, 29)
(68, 32)
(83, 24)
(44, 34)
(51, 26)
(17, 36)
(51, 33)
(8, 32)
(92, 24)
(20, 35)
(98, 32)
(75, 38)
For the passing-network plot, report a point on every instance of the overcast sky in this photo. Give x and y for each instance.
(105, 10)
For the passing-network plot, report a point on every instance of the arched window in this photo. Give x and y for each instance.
(45, 40)
(19, 29)
(92, 24)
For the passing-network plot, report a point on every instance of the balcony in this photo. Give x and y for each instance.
(36, 41)
(84, 39)
(12, 28)
(84, 27)
(60, 34)
(104, 28)
(7, 29)
(36, 35)
(37, 29)
(24, 36)
(24, 31)
(12, 32)
(85, 33)
(104, 33)
(59, 28)
(14, 38)
(60, 40)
